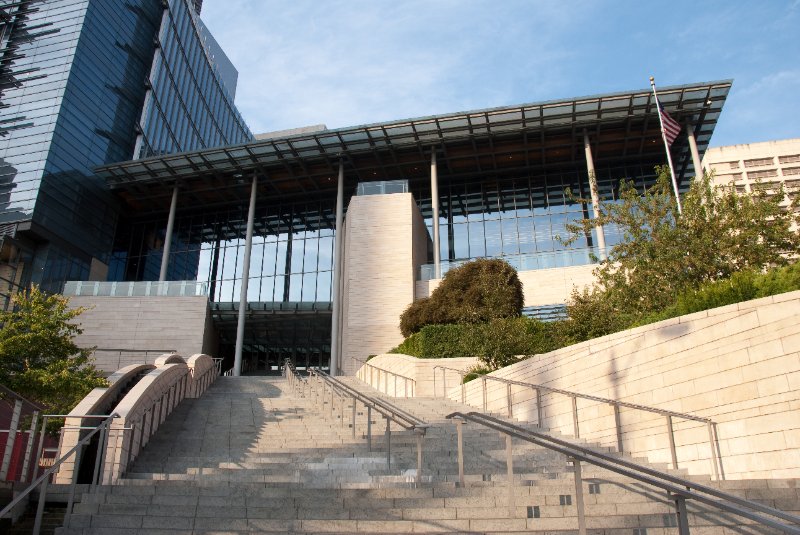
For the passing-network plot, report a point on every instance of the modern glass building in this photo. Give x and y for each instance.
(417, 196)
(88, 82)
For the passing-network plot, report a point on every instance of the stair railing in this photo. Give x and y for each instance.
(42, 482)
(678, 489)
(296, 381)
(539, 390)
(409, 383)
(391, 413)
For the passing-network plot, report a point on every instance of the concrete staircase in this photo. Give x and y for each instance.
(251, 456)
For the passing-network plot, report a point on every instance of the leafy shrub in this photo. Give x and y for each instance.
(475, 372)
(741, 286)
(476, 292)
(497, 343)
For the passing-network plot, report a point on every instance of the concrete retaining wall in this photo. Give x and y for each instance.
(153, 324)
(738, 365)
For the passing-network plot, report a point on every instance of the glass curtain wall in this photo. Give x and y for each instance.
(291, 261)
(187, 106)
(508, 217)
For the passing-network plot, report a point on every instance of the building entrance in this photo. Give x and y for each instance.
(275, 332)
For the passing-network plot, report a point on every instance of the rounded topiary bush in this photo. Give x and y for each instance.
(476, 292)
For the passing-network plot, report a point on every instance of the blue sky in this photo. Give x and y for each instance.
(344, 63)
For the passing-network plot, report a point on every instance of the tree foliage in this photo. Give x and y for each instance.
(662, 254)
(476, 292)
(38, 357)
(497, 343)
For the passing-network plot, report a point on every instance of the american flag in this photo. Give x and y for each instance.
(671, 127)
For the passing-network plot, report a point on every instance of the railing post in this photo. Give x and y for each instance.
(712, 444)
(29, 447)
(463, 390)
(369, 428)
(434, 381)
(354, 417)
(37, 523)
(483, 379)
(538, 407)
(11, 439)
(39, 449)
(575, 428)
(460, 433)
(76, 463)
(683, 517)
(510, 475)
(508, 400)
(579, 497)
(671, 435)
(102, 446)
(618, 424)
(419, 455)
(388, 438)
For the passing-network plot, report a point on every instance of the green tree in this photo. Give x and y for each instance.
(38, 357)
(663, 254)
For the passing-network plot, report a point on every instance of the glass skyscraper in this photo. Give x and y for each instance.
(85, 83)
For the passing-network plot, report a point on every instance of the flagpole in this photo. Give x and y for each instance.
(666, 147)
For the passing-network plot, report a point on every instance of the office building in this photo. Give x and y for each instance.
(752, 165)
(85, 83)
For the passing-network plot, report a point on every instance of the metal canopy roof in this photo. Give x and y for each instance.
(622, 126)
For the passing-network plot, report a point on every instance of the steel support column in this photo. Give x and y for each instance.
(601, 236)
(248, 246)
(173, 206)
(698, 166)
(337, 275)
(437, 260)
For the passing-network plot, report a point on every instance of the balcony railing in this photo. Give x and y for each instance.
(136, 289)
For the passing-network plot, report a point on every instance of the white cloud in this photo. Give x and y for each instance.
(345, 63)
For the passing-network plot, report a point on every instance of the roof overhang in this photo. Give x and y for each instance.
(505, 140)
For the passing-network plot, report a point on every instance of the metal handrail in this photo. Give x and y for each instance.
(679, 488)
(43, 480)
(397, 415)
(710, 424)
(390, 412)
(405, 378)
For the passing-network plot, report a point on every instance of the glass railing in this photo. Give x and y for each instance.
(525, 262)
(382, 187)
(136, 289)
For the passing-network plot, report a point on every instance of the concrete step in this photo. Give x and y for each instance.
(249, 457)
